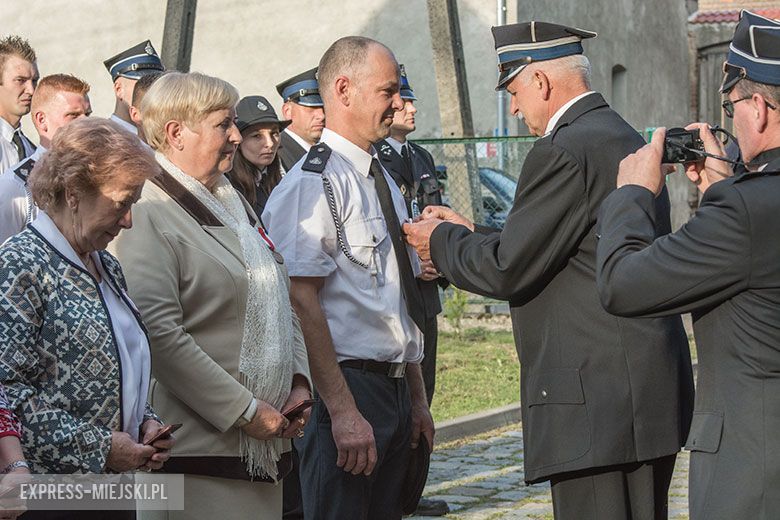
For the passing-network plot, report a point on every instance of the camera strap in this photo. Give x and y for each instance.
(728, 136)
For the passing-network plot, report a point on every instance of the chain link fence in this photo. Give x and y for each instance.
(479, 177)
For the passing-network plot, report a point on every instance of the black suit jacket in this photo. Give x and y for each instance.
(409, 184)
(596, 389)
(723, 266)
(290, 152)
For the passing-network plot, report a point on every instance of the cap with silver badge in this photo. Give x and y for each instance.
(303, 89)
(253, 110)
(134, 62)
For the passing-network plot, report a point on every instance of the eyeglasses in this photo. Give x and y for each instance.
(728, 105)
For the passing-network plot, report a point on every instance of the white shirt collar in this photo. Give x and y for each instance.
(7, 130)
(360, 159)
(124, 124)
(396, 144)
(298, 139)
(559, 113)
(49, 230)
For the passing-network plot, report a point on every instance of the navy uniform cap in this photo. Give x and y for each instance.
(406, 89)
(252, 110)
(754, 52)
(521, 44)
(135, 62)
(302, 89)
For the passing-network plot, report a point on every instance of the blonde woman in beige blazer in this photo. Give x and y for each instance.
(227, 352)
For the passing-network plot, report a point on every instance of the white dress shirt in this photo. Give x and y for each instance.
(131, 340)
(397, 145)
(364, 307)
(16, 204)
(298, 139)
(8, 152)
(559, 113)
(124, 124)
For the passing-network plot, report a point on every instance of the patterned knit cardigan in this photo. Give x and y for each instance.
(59, 361)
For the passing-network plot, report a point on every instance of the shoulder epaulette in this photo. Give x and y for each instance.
(383, 149)
(317, 158)
(24, 168)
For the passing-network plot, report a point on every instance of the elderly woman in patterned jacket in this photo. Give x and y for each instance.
(74, 355)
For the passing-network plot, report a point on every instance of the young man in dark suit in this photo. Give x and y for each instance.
(303, 107)
(606, 401)
(723, 267)
(412, 168)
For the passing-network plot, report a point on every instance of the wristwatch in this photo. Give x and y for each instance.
(248, 414)
(15, 464)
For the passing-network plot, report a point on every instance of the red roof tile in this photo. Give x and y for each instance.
(732, 15)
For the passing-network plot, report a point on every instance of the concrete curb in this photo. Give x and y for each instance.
(479, 422)
(487, 420)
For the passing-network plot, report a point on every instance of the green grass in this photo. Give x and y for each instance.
(476, 372)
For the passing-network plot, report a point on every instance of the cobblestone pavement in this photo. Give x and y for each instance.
(482, 479)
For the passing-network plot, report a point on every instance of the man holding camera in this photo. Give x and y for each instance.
(723, 267)
(606, 400)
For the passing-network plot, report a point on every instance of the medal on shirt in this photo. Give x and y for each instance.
(415, 209)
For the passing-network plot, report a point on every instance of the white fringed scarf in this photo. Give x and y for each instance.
(266, 359)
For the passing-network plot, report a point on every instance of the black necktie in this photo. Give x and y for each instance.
(17, 140)
(409, 287)
(407, 160)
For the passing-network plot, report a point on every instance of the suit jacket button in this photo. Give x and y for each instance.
(544, 393)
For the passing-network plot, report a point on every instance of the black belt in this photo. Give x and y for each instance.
(394, 370)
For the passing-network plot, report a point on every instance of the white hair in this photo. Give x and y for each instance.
(577, 65)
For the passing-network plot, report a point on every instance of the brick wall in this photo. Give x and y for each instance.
(727, 5)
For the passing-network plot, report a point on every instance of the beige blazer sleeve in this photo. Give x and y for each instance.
(150, 258)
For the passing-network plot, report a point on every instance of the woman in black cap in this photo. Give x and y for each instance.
(256, 169)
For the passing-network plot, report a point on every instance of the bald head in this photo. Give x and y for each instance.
(360, 83)
(346, 57)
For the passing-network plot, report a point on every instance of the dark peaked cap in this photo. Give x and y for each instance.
(135, 62)
(303, 89)
(406, 89)
(754, 52)
(520, 44)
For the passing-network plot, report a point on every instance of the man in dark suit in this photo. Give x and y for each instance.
(606, 401)
(723, 266)
(412, 168)
(303, 107)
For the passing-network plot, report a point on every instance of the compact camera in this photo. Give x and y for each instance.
(680, 146)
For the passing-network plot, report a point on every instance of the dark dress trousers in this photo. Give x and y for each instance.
(723, 267)
(596, 390)
(290, 152)
(412, 189)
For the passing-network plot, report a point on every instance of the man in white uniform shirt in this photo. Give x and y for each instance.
(335, 220)
(18, 77)
(58, 100)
